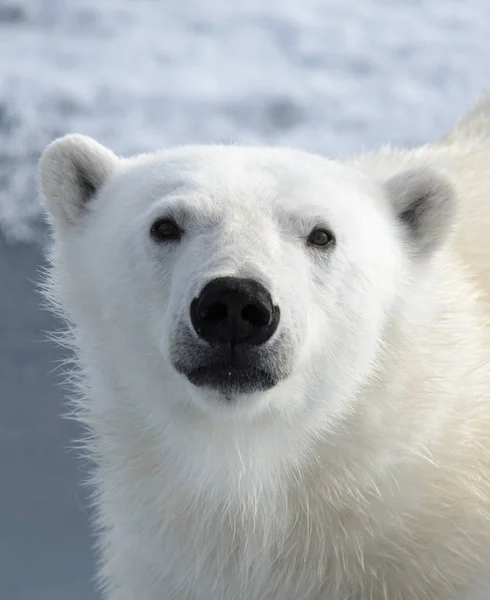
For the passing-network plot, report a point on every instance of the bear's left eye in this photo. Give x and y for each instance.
(321, 237)
(165, 230)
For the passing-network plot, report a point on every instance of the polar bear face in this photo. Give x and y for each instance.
(233, 281)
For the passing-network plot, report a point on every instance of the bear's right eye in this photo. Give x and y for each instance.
(165, 230)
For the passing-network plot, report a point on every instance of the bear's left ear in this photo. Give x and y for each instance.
(73, 170)
(424, 202)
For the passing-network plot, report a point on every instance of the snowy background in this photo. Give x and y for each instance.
(334, 76)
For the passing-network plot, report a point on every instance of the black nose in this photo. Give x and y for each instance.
(232, 311)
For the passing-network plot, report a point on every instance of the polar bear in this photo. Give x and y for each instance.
(283, 365)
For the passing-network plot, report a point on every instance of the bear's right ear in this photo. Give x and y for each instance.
(72, 171)
(424, 201)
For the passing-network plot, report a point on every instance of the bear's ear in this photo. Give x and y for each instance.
(424, 202)
(72, 171)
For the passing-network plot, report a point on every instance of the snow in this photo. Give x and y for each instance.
(324, 75)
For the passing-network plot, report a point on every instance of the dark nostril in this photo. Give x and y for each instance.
(217, 311)
(257, 316)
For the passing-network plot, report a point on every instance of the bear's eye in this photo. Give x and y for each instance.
(321, 237)
(165, 230)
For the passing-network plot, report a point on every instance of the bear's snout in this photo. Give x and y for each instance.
(232, 311)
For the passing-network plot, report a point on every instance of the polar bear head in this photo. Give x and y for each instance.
(233, 280)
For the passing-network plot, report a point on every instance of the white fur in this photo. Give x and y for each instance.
(363, 475)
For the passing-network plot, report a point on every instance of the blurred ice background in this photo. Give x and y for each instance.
(326, 75)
